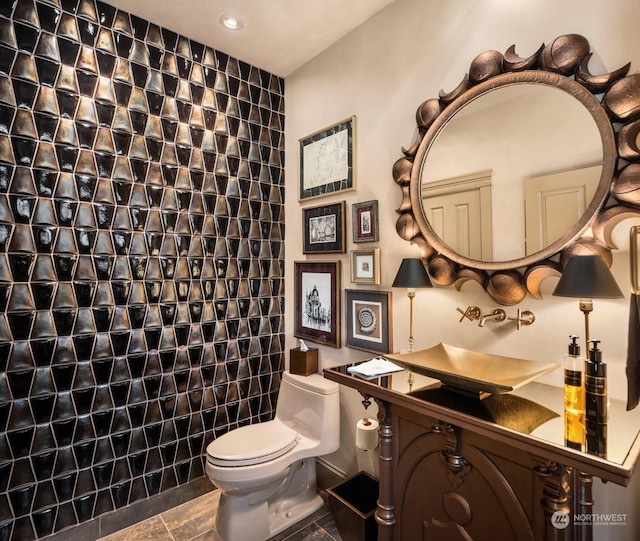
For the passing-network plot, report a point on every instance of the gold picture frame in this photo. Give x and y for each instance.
(365, 266)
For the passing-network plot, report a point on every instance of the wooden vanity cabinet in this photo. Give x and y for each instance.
(449, 483)
(448, 474)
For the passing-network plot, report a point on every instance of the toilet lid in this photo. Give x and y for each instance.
(252, 444)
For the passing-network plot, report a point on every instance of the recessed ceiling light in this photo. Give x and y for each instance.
(230, 22)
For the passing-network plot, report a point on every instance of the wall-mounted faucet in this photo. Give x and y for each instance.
(522, 317)
(498, 314)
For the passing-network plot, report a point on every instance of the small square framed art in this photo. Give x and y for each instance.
(365, 266)
(364, 218)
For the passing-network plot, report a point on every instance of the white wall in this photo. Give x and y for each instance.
(381, 72)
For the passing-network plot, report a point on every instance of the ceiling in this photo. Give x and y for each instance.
(278, 36)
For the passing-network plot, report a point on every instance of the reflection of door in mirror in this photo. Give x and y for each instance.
(553, 203)
(459, 212)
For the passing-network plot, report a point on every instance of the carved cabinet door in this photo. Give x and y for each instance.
(448, 489)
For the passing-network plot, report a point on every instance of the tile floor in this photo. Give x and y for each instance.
(193, 521)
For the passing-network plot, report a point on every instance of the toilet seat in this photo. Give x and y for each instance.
(252, 444)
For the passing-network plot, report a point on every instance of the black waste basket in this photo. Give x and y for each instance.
(353, 504)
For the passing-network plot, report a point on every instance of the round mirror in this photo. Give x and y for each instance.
(512, 171)
(525, 163)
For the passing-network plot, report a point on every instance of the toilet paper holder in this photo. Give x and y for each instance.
(367, 434)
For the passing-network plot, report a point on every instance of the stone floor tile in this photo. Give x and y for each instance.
(152, 528)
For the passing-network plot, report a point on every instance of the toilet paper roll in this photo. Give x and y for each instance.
(367, 434)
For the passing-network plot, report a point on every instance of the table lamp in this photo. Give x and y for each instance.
(411, 275)
(587, 277)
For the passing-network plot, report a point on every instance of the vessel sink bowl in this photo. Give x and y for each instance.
(472, 371)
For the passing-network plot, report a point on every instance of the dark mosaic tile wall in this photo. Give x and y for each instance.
(141, 258)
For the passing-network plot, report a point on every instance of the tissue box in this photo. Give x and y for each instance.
(303, 363)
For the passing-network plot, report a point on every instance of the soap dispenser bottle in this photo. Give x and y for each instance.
(574, 401)
(596, 406)
(596, 386)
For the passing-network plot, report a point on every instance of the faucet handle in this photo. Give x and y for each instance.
(523, 318)
(471, 313)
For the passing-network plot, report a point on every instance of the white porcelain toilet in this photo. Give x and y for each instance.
(266, 472)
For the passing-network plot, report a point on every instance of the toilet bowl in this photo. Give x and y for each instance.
(266, 472)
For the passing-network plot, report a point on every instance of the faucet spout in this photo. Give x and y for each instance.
(498, 314)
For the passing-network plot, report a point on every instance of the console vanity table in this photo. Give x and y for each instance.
(458, 467)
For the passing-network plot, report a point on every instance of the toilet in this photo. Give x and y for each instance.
(266, 472)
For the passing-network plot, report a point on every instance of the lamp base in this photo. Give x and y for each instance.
(586, 307)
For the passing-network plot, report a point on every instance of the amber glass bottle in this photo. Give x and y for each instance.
(574, 397)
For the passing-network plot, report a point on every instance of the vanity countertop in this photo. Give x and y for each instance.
(529, 418)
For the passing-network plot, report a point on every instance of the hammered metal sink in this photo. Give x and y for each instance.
(472, 371)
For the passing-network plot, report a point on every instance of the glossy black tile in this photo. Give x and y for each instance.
(6, 173)
(87, 83)
(21, 499)
(88, 31)
(83, 453)
(7, 115)
(19, 382)
(67, 103)
(64, 486)
(44, 520)
(120, 494)
(83, 400)
(128, 298)
(20, 324)
(103, 473)
(7, 56)
(123, 44)
(102, 421)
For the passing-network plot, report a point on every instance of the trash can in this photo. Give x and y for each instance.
(353, 504)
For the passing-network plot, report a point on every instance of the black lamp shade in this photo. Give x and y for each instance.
(587, 276)
(412, 274)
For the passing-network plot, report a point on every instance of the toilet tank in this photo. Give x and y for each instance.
(310, 405)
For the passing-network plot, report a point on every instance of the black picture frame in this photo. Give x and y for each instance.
(324, 229)
(369, 320)
(328, 160)
(317, 301)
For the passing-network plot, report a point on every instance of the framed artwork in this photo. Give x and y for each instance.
(365, 266)
(369, 325)
(324, 229)
(364, 217)
(327, 160)
(317, 301)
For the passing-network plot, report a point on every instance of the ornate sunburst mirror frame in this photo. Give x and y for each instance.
(613, 99)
